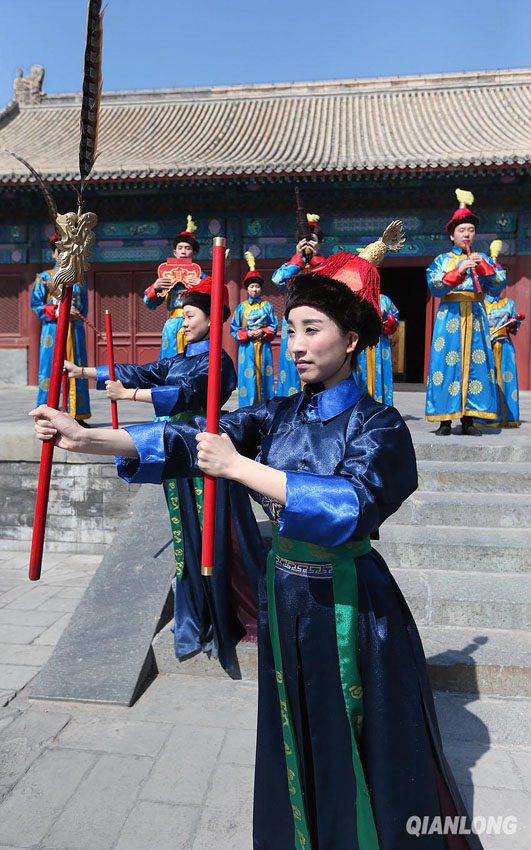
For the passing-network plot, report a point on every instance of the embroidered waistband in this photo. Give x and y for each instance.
(464, 296)
(303, 568)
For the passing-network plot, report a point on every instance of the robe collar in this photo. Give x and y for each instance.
(325, 404)
(254, 300)
(195, 348)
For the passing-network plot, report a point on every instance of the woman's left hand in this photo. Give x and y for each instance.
(115, 390)
(216, 455)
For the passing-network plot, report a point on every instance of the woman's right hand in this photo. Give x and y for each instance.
(71, 369)
(51, 423)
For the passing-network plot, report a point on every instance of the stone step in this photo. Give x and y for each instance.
(455, 548)
(467, 599)
(478, 661)
(457, 450)
(461, 660)
(480, 477)
(490, 510)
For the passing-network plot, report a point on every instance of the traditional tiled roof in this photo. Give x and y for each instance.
(322, 128)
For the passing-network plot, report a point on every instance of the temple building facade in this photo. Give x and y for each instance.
(362, 152)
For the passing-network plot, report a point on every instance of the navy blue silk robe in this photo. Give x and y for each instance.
(350, 463)
(210, 614)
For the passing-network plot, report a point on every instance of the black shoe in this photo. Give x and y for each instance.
(83, 423)
(444, 429)
(468, 428)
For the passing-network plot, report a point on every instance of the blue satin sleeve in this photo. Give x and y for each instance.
(165, 400)
(144, 377)
(381, 466)
(169, 449)
(377, 473)
(284, 273)
(102, 375)
(320, 509)
(148, 468)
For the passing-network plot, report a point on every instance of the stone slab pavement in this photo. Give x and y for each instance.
(176, 769)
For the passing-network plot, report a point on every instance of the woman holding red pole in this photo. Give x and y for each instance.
(348, 744)
(210, 614)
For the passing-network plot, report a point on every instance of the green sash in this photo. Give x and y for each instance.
(174, 507)
(345, 588)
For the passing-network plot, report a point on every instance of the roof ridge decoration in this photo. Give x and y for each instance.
(27, 91)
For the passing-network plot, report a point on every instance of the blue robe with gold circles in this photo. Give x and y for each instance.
(348, 743)
(499, 312)
(256, 382)
(462, 378)
(76, 349)
(382, 364)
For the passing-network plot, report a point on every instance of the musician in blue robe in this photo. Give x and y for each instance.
(185, 247)
(211, 614)
(288, 380)
(374, 367)
(254, 325)
(504, 323)
(461, 379)
(46, 306)
(348, 743)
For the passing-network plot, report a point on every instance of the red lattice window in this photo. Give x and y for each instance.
(10, 289)
(147, 321)
(113, 289)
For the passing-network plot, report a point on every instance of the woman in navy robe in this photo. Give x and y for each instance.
(348, 746)
(209, 615)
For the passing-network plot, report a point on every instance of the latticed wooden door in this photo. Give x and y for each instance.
(136, 329)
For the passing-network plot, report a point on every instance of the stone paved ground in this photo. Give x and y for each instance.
(175, 770)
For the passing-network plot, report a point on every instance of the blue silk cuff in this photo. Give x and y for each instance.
(102, 375)
(320, 509)
(165, 400)
(148, 468)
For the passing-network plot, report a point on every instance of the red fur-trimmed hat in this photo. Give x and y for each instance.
(463, 215)
(187, 235)
(357, 274)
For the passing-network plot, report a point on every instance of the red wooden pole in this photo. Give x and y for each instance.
(43, 487)
(110, 360)
(213, 399)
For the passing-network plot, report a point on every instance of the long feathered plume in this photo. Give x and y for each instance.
(251, 261)
(92, 84)
(50, 203)
(465, 198)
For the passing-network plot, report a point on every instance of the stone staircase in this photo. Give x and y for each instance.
(460, 549)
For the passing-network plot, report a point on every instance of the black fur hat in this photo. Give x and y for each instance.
(348, 310)
(202, 301)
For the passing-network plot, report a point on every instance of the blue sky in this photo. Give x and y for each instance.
(163, 43)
